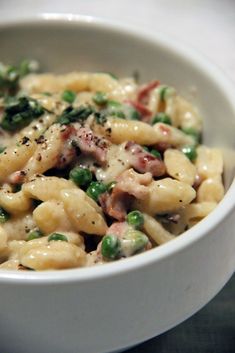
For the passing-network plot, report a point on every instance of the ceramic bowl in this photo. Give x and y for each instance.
(111, 307)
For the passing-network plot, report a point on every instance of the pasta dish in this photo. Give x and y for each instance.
(95, 169)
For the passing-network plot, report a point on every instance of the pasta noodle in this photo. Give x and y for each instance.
(94, 169)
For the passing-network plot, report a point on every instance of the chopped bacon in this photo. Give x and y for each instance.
(67, 156)
(133, 183)
(115, 205)
(118, 228)
(67, 132)
(144, 111)
(162, 146)
(129, 184)
(145, 90)
(144, 161)
(89, 143)
(85, 139)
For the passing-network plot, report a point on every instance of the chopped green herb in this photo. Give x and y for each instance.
(95, 189)
(35, 234)
(192, 132)
(115, 108)
(134, 115)
(4, 215)
(165, 92)
(70, 115)
(10, 75)
(100, 98)
(190, 152)
(20, 113)
(69, 96)
(156, 154)
(161, 118)
(57, 237)
(135, 218)
(110, 247)
(80, 176)
(100, 117)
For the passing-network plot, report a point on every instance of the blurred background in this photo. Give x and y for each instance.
(209, 27)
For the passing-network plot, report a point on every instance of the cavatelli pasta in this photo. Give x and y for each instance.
(94, 168)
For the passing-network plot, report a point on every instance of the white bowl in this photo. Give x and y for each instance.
(111, 307)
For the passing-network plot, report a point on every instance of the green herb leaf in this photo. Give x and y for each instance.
(57, 237)
(161, 118)
(35, 234)
(20, 113)
(70, 114)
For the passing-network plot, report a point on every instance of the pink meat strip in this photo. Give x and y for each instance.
(88, 142)
(143, 161)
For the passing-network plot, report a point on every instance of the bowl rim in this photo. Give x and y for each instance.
(185, 240)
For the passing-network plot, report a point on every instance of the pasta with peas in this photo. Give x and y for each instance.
(95, 169)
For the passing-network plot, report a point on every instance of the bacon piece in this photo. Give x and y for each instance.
(129, 184)
(162, 146)
(118, 228)
(89, 143)
(143, 161)
(115, 205)
(145, 90)
(84, 138)
(144, 111)
(133, 183)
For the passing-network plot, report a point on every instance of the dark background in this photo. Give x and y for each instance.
(211, 330)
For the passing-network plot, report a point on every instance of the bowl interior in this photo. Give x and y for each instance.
(63, 46)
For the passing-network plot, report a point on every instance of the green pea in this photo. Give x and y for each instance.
(161, 118)
(135, 218)
(156, 154)
(57, 237)
(80, 176)
(192, 132)
(100, 98)
(35, 234)
(133, 241)
(190, 152)
(69, 96)
(110, 247)
(4, 215)
(95, 189)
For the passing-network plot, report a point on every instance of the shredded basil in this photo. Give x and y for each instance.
(71, 115)
(20, 112)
